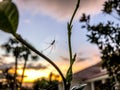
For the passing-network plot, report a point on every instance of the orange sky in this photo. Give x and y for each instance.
(33, 74)
(62, 63)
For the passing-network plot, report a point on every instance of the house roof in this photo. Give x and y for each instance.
(90, 72)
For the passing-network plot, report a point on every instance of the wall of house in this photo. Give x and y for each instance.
(88, 87)
(60, 86)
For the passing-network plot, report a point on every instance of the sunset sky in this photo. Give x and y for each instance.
(42, 21)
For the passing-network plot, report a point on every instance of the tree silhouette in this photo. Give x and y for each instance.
(9, 83)
(107, 38)
(50, 84)
(19, 51)
(44, 84)
(12, 47)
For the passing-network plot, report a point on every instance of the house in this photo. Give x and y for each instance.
(93, 76)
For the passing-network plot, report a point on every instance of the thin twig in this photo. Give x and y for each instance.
(19, 38)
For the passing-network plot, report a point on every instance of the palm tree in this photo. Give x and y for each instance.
(26, 56)
(18, 51)
(12, 47)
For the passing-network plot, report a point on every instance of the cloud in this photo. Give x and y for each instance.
(78, 58)
(4, 66)
(81, 59)
(36, 67)
(60, 9)
(64, 58)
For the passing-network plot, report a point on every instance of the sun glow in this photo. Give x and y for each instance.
(31, 75)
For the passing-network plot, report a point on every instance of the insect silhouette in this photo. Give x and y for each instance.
(51, 46)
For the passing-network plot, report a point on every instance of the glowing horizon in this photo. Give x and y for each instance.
(31, 74)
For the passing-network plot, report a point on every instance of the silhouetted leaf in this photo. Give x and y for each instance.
(8, 17)
(108, 7)
(34, 57)
(83, 18)
(83, 26)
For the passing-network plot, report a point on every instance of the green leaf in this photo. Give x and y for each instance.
(69, 75)
(8, 17)
(81, 87)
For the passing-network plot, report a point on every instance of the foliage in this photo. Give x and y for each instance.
(108, 85)
(45, 84)
(107, 38)
(10, 24)
(9, 83)
(112, 5)
(19, 51)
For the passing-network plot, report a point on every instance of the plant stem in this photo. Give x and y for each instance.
(70, 46)
(19, 38)
(77, 6)
(70, 30)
